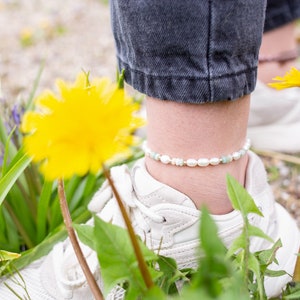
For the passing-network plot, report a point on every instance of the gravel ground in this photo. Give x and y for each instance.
(74, 35)
(67, 35)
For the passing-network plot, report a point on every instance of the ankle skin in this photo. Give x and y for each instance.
(191, 130)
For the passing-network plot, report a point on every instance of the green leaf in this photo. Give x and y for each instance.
(209, 239)
(117, 258)
(8, 180)
(255, 231)
(70, 188)
(239, 243)
(22, 216)
(6, 255)
(46, 246)
(266, 257)
(5, 140)
(273, 273)
(189, 293)
(154, 293)
(85, 234)
(42, 211)
(14, 160)
(90, 185)
(240, 198)
(7, 151)
(10, 239)
(293, 296)
(213, 264)
(75, 200)
(120, 79)
(253, 265)
(292, 290)
(171, 274)
(29, 101)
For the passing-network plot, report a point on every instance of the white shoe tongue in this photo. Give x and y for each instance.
(151, 192)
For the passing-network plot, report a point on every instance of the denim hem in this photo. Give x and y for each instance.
(188, 89)
(282, 13)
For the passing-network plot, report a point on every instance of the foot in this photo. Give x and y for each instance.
(274, 121)
(168, 222)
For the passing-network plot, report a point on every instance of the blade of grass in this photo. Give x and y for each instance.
(43, 206)
(56, 218)
(24, 233)
(4, 138)
(22, 214)
(11, 237)
(90, 185)
(77, 196)
(8, 180)
(15, 159)
(6, 151)
(47, 244)
(34, 88)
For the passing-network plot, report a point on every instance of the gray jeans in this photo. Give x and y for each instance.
(194, 51)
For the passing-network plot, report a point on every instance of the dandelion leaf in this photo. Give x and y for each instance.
(240, 198)
(117, 259)
(266, 257)
(209, 239)
(154, 293)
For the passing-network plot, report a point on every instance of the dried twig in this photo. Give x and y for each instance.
(281, 156)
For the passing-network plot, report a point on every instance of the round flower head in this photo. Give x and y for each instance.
(86, 125)
(290, 79)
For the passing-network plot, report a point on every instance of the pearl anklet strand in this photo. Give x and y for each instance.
(201, 162)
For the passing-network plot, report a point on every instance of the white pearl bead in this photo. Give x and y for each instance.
(191, 162)
(242, 152)
(157, 156)
(236, 155)
(177, 162)
(203, 162)
(214, 161)
(165, 159)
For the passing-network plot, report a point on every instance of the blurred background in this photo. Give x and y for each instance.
(67, 35)
(74, 35)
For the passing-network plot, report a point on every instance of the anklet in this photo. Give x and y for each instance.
(201, 162)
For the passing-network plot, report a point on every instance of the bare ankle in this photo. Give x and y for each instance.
(204, 186)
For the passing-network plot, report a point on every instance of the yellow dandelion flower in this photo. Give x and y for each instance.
(26, 36)
(290, 79)
(89, 123)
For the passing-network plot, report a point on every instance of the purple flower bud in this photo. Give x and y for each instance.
(16, 115)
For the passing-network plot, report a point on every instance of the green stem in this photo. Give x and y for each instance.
(247, 252)
(141, 262)
(78, 252)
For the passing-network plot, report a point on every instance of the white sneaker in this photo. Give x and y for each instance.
(167, 221)
(274, 120)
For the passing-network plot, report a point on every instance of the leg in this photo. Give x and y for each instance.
(197, 73)
(185, 66)
(272, 50)
(278, 53)
(178, 54)
(279, 39)
(192, 134)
